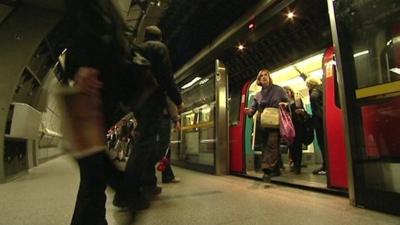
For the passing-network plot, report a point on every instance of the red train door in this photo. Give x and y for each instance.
(236, 135)
(335, 142)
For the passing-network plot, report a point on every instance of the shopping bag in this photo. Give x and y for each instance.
(286, 127)
(163, 162)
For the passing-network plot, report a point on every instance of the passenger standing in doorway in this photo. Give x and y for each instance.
(96, 57)
(316, 99)
(297, 113)
(270, 95)
(158, 54)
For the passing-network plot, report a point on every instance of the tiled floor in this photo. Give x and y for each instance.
(46, 196)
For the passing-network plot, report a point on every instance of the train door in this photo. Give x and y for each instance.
(237, 102)
(366, 36)
(334, 128)
(293, 76)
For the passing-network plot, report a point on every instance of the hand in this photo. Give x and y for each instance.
(283, 104)
(87, 79)
(177, 125)
(248, 111)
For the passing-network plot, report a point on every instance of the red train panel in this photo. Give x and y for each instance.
(335, 142)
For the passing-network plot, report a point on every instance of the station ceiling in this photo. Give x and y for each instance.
(191, 25)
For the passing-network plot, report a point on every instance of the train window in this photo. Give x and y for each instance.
(197, 144)
(234, 106)
(373, 30)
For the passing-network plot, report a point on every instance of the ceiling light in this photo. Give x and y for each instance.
(191, 83)
(395, 70)
(360, 53)
(240, 47)
(204, 81)
(290, 15)
(252, 26)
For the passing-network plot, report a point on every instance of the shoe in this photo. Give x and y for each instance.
(321, 172)
(266, 178)
(149, 191)
(297, 171)
(156, 190)
(134, 204)
(139, 204)
(316, 171)
(174, 180)
(275, 173)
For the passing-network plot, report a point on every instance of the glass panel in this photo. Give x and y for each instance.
(197, 143)
(381, 129)
(198, 135)
(373, 28)
(234, 106)
(382, 176)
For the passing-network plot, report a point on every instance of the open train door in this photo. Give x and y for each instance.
(237, 132)
(335, 141)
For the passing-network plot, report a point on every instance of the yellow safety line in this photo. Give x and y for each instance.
(378, 90)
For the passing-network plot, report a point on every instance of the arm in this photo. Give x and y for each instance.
(253, 108)
(316, 103)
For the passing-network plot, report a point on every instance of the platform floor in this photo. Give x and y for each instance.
(46, 196)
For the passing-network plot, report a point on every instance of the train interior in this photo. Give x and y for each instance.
(290, 75)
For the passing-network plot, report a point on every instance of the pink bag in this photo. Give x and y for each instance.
(286, 128)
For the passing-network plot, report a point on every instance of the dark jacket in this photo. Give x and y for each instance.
(157, 53)
(95, 37)
(316, 100)
(270, 96)
(297, 119)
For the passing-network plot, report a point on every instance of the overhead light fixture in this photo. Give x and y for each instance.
(290, 15)
(252, 26)
(191, 83)
(240, 47)
(395, 70)
(361, 53)
(204, 81)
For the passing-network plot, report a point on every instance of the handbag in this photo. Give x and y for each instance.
(286, 129)
(270, 118)
(308, 136)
